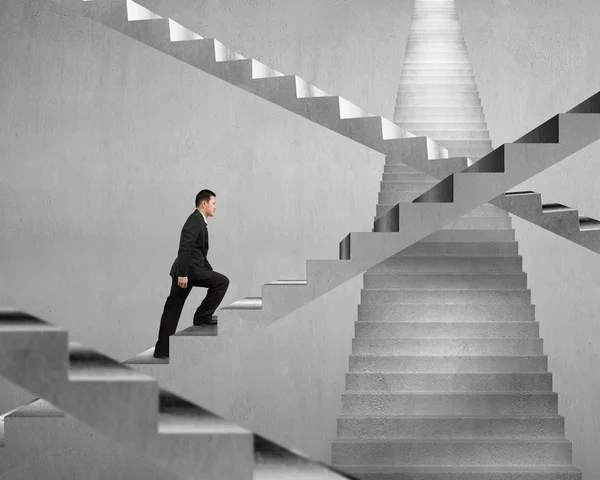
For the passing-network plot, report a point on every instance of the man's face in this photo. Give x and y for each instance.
(210, 207)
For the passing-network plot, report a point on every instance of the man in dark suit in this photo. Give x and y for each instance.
(192, 269)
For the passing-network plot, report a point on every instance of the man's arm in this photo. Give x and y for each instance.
(189, 233)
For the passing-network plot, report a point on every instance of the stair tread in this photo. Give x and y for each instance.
(447, 393)
(457, 469)
(454, 440)
(452, 417)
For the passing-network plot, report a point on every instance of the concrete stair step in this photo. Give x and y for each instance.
(462, 248)
(478, 145)
(435, 30)
(472, 281)
(439, 102)
(438, 118)
(449, 263)
(407, 195)
(424, 96)
(409, 183)
(435, 37)
(471, 236)
(445, 313)
(436, 88)
(454, 346)
(443, 126)
(429, 55)
(382, 208)
(474, 153)
(437, 80)
(447, 330)
(480, 223)
(448, 364)
(467, 135)
(452, 452)
(409, 178)
(455, 403)
(488, 472)
(460, 296)
(450, 382)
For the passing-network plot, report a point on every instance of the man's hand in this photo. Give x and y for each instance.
(182, 282)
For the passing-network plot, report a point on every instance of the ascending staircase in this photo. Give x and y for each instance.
(447, 375)
(459, 193)
(437, 95)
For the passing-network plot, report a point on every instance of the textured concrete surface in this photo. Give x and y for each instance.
(530, 60)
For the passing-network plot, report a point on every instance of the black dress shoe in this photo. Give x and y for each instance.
(205, 321)
(160, 355)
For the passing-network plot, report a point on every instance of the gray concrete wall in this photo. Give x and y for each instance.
(93, 124)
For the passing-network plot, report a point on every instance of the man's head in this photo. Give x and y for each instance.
(206, 202)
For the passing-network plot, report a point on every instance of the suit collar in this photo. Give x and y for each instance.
(198, 212)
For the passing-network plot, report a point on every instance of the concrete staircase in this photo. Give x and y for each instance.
(447, 375)
(129, 407)
(441, 205)
(358, 251)
(437, 95)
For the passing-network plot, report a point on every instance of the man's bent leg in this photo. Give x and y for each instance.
(217, 285)
(170, 316)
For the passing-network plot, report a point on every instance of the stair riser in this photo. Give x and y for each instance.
(437, 118)
(433, 347)
(437, 297)
(448, 364)
(445, 313)
(438, 136)
(450, 428)
(404, 185)
(406, 196)
(442, 264)
(470, 281)
(452, 454)
(473, 102)
(129, 409)
(433, 56)
(437, 89)
(463, 248)
(409, 177)
(442, 72)
(446, 330)
(449, 382)
(514, 474)
(462, 236)
(439, 80)
(410, 126)
(35, 360)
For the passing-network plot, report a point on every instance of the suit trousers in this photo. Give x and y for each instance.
(216, 283)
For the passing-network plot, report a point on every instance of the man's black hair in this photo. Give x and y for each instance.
(204, 195)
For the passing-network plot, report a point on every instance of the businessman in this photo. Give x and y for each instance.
(192, 269)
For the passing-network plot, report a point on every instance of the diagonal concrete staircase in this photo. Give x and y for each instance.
(130, 407)
(358, 251)
(554, 217)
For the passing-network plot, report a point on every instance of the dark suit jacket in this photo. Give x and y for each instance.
(193, 248)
